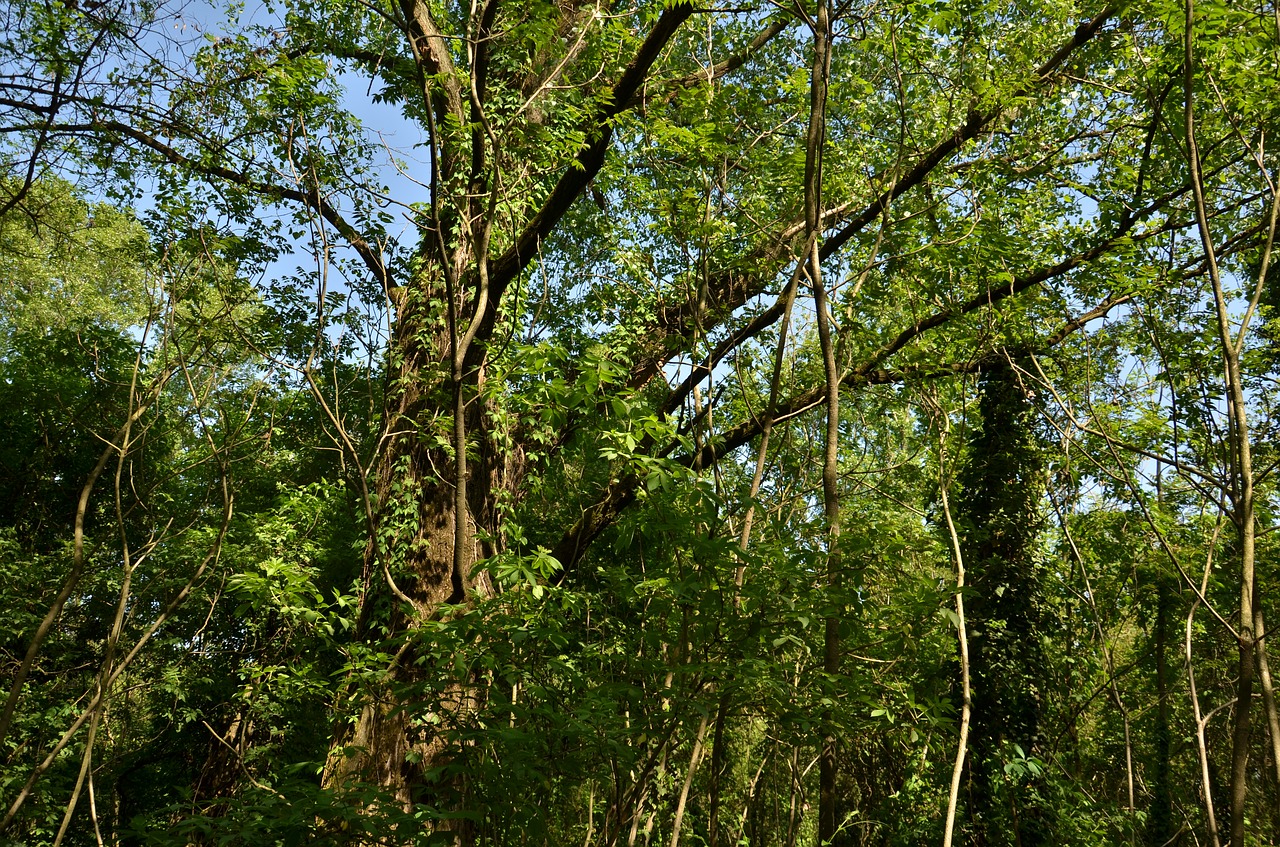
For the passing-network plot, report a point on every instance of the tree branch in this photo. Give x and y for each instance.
(314, 200)
(574, 180)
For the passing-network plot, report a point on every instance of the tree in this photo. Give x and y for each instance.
(562, 348)
(1003, 489)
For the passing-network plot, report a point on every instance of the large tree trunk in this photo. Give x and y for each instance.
(440, 471)
(414, 569)
(1003, 484)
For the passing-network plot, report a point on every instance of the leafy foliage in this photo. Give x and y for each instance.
(411, 421)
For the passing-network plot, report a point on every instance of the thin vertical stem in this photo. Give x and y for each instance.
(1201, 747)
(966, 704)
(694, 758)
(1268, 689)
(1241, 489)
(815, 142)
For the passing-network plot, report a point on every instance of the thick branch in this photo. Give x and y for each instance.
(431, 51)
(622, 493)
(731, 287)
(583, 169)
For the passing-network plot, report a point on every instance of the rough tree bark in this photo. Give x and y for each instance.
(999, 521)
(440, 472)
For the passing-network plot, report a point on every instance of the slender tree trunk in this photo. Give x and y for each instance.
(830, 480)
(1202, 749)
(966, 702)
(695, 756)
(748, 827)
(795, 811)
(717, 771)
(1161, 820)
(1269, 707)
(1241, 490)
